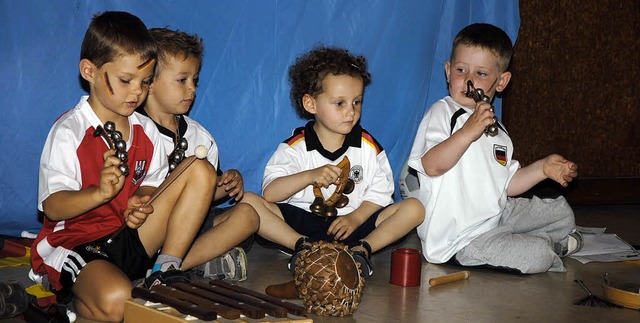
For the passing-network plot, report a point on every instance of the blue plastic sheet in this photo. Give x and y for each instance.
(243, 94)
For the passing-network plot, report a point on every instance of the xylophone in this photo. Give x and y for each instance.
(209, 301)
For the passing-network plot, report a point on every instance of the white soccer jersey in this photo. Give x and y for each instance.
(72, 160)
(370, 169)
(195, 134)
(468, 199)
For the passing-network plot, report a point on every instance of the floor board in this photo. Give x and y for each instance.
(486, 297)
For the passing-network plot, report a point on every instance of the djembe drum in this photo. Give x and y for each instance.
(328, 279)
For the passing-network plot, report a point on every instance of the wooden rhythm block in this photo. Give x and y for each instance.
(209, 301)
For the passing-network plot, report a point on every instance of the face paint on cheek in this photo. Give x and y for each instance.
(146, 64)
(106, 82)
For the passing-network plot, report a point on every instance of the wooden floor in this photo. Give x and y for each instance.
(486, 297)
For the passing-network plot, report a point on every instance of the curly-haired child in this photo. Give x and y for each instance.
(327, 87)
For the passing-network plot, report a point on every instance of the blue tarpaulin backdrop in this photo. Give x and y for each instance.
(243, 91)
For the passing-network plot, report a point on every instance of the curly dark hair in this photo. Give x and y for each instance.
(308, 72)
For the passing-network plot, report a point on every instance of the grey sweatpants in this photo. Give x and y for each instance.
(525, 237)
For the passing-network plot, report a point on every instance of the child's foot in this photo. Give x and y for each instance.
(231, 266)
(362, 255)
(570, 245)
(165, 278)
(302, 244)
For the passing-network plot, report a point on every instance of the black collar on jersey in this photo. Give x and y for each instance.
(353, 139)
(461, 111)
(182, 126)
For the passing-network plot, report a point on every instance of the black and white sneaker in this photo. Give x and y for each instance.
(231, 266)
(165, 278)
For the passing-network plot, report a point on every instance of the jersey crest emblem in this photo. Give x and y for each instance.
(356, 174)
(500, 154)
(139, 172)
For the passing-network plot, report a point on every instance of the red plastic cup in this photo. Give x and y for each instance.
(406, 264)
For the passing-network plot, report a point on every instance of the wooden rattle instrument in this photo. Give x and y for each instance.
(622, 291)
(328, 208)
(114, 140)
(478, 95)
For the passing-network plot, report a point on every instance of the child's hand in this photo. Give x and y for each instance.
(559, 169)
(342, 227)
(111, 178)
(232, 183)
(326, 175)
(135, 214)
(481, 118)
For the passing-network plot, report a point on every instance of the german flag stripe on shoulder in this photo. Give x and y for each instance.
(298, 135)
(368, 138)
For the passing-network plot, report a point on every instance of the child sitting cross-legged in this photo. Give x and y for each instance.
(327, 87)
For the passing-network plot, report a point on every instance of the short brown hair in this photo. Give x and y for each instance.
(488, 37)
(115, 33)
(175, 43)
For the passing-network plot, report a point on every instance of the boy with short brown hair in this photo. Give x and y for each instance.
(88, 192)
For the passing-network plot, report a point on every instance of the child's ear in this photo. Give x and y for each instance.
(447, 71)
(153, 79)
(309, 103)
(87, 70)
(503, 81)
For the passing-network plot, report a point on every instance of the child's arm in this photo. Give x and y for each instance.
(284, 187)
(69, 204)
(443, 156)
(343, 226)
(232, 185)
(553, 166)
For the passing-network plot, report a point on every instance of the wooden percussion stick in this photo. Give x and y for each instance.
(291, 307)
(201, 152)
(461, 275)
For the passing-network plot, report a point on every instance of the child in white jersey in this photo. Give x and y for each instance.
(327, 87)
(171, 95)
(467, 176)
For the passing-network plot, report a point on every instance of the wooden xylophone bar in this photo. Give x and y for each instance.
(291, 307)
(258, 307)
(206, 299)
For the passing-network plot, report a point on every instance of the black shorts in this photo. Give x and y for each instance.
(125, 252)
(315, 227)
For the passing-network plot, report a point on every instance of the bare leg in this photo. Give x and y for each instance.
(179, 211)
(229, 229)
(101, 291)
(272, 224)
(395, 222)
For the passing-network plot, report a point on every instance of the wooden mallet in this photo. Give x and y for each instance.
(200, 153)
(461, 275)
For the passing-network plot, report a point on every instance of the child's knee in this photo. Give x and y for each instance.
(108, 305)
(204, 169)
(248, 215)
(201, 170)
(414, 208)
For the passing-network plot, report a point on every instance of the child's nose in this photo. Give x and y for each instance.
(351, 109)
(139, 89)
